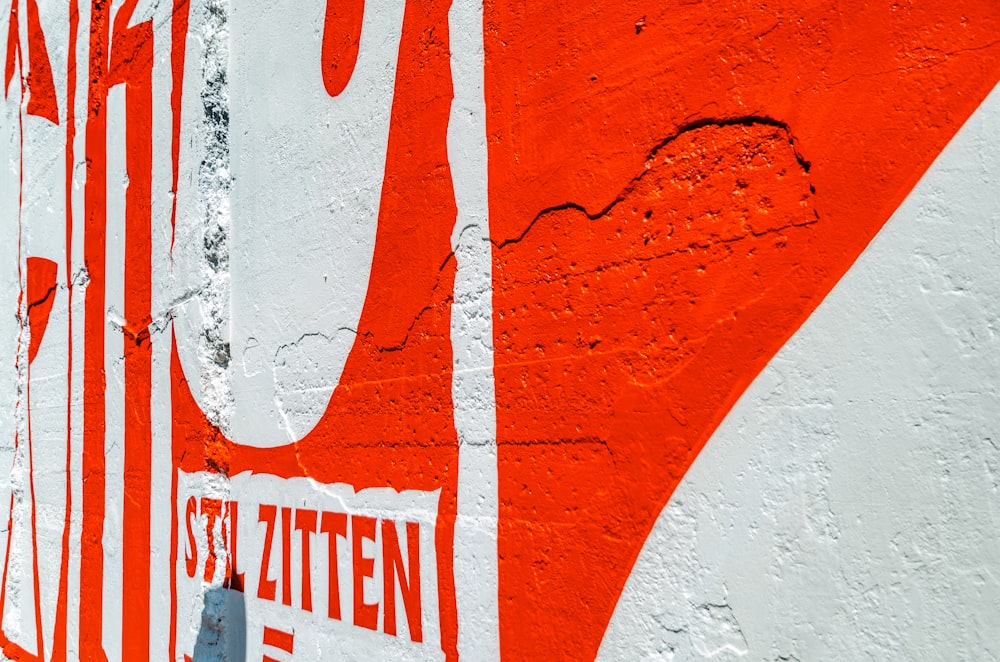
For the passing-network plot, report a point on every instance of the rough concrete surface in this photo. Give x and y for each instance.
(480, 330)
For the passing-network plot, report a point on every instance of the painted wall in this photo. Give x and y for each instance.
(432, 330)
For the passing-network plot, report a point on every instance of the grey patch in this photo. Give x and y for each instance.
(222, 634)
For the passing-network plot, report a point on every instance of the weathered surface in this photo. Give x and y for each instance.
(476, 330)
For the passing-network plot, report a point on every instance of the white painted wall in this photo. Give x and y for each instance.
(278, 203)
(846, 509)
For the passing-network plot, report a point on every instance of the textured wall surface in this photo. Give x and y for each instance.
(442, 330)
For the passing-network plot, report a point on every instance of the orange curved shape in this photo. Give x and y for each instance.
(341, 40)
(41, 293)
(42, 102)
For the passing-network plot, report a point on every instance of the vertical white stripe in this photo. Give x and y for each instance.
(162, 296)
(114, 369)
(80, 279)
(18, 615)
(9, 201)
(475, 555)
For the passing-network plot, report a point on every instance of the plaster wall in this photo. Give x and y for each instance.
(471, 330)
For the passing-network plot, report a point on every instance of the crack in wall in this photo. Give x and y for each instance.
(45, 297)
(694, 125)
(735, 196)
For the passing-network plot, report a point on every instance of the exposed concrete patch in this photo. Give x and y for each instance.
(214, 186)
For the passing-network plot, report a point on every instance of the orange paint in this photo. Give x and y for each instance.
(94, 258)
(341, 40)
(13, 57)
(41, 294)
(122, 56)
(673, 189)
(42, 101)
(132, 65)
(408, 577)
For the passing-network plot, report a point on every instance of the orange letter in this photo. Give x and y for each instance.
(286, 556)
(365, 614)
(392, 563)
(191, 555)
(305, 521)
(333, 525)
(266, 586)
(234, 579)
(212, 508)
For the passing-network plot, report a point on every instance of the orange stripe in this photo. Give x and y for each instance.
(279, 639)
(94, 250)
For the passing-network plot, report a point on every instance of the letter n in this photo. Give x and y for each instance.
(392, 566)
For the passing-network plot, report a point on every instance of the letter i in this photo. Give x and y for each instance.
(286, 556)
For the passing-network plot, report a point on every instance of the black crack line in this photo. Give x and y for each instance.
(742, 120)
(45, 297)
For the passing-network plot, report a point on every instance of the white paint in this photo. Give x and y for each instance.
(848, 506)
(201, 241)
(316, 636)
(473, 393)
(9, 288)
(79, 288)
(296, 200)
(163, 305)
(846, 509)
(114, 369)
(17, 617)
